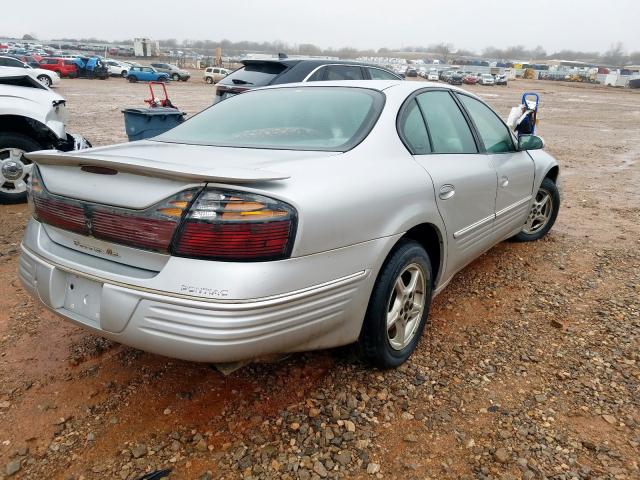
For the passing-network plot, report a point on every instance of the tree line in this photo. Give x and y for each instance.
(616, 55)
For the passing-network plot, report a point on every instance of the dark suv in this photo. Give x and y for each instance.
(260, 73)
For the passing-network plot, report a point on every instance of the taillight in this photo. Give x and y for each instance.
(149, 229)
(236, 226)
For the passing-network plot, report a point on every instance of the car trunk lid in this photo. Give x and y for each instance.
(139, 174)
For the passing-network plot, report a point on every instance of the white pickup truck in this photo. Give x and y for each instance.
(32, 117)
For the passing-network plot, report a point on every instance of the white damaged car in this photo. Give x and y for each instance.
(32, 117)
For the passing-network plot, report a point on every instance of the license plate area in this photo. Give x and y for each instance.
(83, 298)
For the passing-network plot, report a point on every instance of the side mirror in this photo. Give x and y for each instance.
(530, 142)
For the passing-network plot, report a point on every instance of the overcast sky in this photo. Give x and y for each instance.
(590, 25)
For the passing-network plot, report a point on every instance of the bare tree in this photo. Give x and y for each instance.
(444, 50)
(308, 49)
(615, 55)
(634, 58)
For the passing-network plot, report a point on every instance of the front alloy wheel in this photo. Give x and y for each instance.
(14, 168)
(540, 212)
(398, 307)
(45, 80)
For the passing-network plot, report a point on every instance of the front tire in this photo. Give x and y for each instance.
(543, 213)
(13, 174)
(132, 79)
(45, 80)
(398, 307)
(175, 77)
(123, 74)
(209, 80)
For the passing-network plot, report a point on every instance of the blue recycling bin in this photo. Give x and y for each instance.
(143, 123)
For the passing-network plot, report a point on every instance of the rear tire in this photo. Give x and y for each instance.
(209, 80)
(20, 142)
(123, 74)
(397, 313)
(175, 77)
(543, 213)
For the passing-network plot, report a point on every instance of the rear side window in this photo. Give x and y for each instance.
(413, 130)
(493, 132)
(255, 74)
(343, 72)
(379, 74)
(69, 62)
(447, 126)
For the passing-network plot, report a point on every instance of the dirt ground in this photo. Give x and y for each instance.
(530, 368)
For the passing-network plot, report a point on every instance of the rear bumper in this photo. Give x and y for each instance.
(323, 315)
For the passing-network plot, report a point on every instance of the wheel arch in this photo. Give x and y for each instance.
(29, 127)
(431, 239)
(553, 173)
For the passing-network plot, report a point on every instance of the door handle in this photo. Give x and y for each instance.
(447, 191)
(504, 181)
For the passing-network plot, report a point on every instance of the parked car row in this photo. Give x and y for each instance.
(46, 77)
(458, 77)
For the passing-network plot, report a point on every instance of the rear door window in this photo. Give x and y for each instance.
(256, 74)
(447, 126)
(343, 72)
(379, 74)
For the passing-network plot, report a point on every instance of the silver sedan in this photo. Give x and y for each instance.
(290, 218)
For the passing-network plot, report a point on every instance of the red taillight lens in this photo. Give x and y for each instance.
(60, 213)
(236, 226)
(133, 230)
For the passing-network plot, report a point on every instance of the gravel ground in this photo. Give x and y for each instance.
(529, 369)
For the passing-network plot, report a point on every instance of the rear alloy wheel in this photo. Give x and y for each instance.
(175, 77)
(209, 80)
(542, 214)
(398, 307)
(123, 74)
(45, 80)
(14, 169)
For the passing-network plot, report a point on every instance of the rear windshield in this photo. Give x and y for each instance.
(309, 118)
(254, 74)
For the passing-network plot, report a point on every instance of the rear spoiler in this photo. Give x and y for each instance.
(154, 168)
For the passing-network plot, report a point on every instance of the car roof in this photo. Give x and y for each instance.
(314, 62)
(399, 86)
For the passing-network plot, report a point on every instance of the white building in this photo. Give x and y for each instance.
(145, 47)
